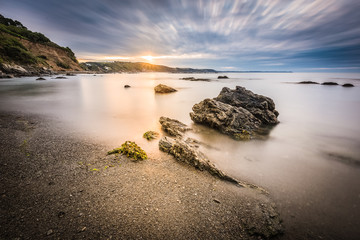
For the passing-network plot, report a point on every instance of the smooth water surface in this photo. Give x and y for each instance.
(310, 163)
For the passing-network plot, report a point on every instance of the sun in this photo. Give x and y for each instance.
(149, 58)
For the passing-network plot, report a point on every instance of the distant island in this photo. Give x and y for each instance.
(27, 53)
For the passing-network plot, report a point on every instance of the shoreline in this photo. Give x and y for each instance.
(62, 186)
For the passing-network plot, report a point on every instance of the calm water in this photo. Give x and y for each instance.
(310, 164)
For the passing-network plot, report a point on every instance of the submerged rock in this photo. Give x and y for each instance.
(330, 83)
(239, 113)
(348, 85)
(61, 77)
(40, 79)
(161, 88)
(307, 82)
(223, 77)
(196, 79)
(173, 127)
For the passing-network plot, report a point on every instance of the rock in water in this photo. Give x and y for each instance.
(40, 79)
(330, 83)
(238, 113)
(161, 88)
(173, 127)
(348, 85)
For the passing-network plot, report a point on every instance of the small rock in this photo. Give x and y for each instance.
(173, 127)
(215, 200)
(307, 82)
(48, 233)
(83, 229)
(40, 78)
(223, 77)
(60, 78)
(126, 86)
(330, 83)
(61, 214)
(348, 85)
(161, 88)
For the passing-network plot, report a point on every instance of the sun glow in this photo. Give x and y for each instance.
(149, 58)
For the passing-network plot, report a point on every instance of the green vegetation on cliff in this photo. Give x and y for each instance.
(110, 67)
(20, 46)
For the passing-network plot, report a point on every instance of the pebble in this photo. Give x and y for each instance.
(49, 232)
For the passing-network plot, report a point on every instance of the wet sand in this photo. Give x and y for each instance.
(58, 185)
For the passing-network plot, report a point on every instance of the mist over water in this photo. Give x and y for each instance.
(310, 163)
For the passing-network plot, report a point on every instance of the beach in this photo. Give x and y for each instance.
(60, 186)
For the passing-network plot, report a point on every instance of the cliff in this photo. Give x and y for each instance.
(23, 52)
(112, 67)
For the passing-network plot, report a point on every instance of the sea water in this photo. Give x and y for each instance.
(310, 164)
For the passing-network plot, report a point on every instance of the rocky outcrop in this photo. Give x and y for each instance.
(161, 88)
(186, 150)
(173, 127)
(239, 113)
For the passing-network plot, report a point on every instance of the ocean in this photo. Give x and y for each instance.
(310, 164)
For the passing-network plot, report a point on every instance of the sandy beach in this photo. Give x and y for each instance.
(57, 185)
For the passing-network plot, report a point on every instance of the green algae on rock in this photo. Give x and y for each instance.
(131, 150)
(150, 135)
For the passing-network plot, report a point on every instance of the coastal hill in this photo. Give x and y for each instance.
(23, 52)
(133, 67)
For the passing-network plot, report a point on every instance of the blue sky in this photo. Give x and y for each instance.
(297, 35)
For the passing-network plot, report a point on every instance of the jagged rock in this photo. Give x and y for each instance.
(238, 113)
(14, 69)
(348, 85)
(260, 106)
(330, 83)
(187, 152)
(227, 119)
(223, 77)
(161, 88)
(173, 127)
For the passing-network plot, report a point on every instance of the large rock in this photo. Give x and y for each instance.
(173, 127)
(239, 113)
(234, 121)
(161, 88)
(260, 106)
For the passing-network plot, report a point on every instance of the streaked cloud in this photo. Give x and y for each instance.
(254, 35)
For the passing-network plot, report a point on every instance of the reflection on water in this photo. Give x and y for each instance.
(309, 164)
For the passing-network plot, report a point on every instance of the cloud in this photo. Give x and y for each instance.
(325, 32)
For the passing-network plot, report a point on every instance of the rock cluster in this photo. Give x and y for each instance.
(239, 113)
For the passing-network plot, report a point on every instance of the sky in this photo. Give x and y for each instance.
(237, 35)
